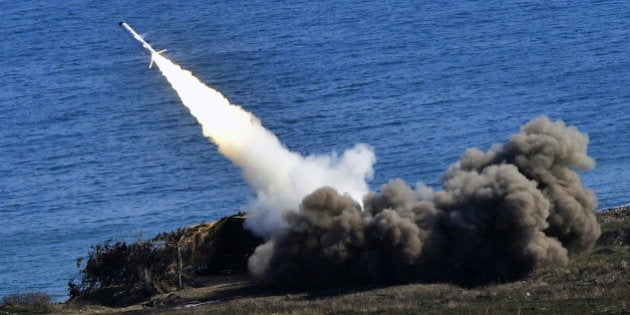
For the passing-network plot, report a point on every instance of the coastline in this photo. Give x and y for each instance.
(594, 283)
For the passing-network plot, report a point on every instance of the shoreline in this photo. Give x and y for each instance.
(238, 292)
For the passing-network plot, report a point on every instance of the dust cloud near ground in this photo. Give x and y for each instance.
(499, 214)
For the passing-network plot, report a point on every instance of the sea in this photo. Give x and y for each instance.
(96, 146)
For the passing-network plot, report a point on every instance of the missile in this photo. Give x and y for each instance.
(141, 40)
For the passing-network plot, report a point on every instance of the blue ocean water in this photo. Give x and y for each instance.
(96, 146)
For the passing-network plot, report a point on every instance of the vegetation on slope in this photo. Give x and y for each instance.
(215, 281)
(121, 274)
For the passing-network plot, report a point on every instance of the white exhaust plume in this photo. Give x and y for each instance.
(279, 177)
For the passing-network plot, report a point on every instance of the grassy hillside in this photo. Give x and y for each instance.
(594, 283)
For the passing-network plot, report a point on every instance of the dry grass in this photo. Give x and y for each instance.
(597, 283)
(592, 284)
(27, 303)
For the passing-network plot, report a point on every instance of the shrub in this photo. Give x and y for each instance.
(31, 303)
(119, 274)
(139, 264)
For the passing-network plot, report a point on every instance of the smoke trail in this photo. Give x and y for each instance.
(499, 214)
(279, 177)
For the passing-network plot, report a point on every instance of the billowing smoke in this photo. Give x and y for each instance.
(498, 215)
(279, 177)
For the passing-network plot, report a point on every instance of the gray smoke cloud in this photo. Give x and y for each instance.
(498, 215)
(319, 245)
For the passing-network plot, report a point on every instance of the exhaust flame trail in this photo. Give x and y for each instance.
(499, 213)
(280, 178)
